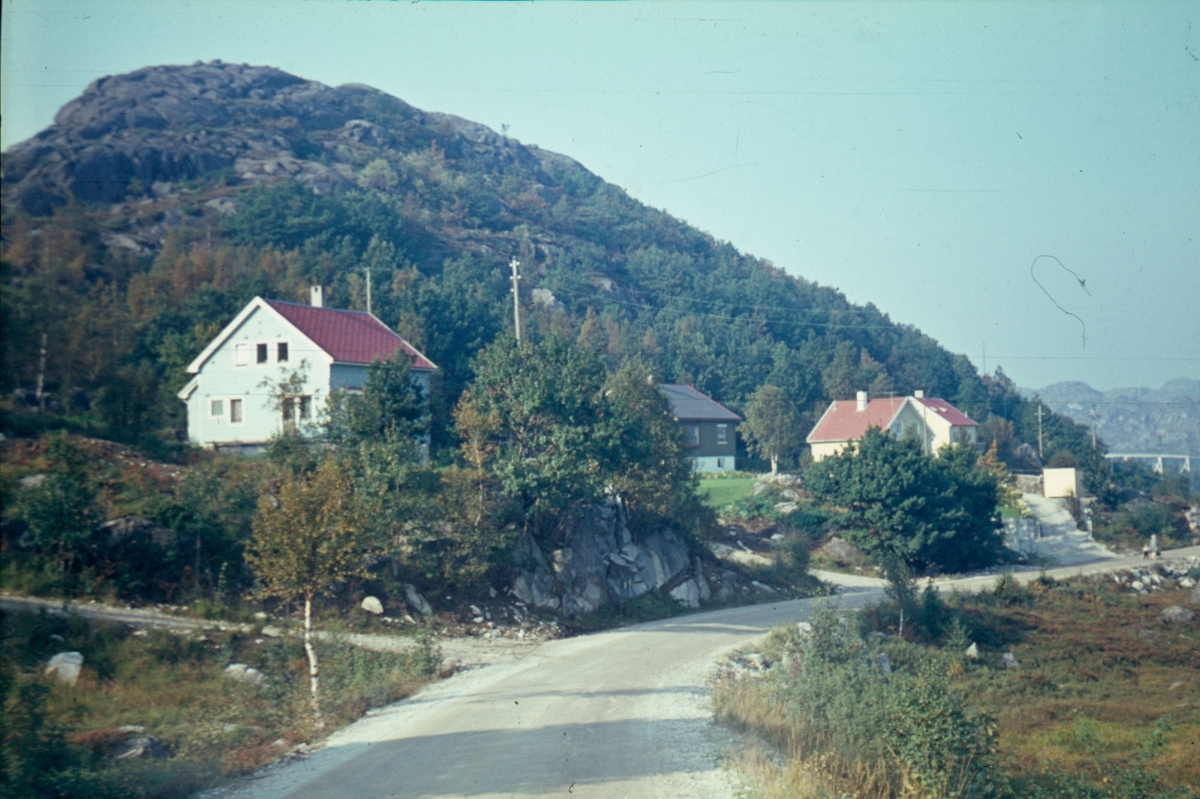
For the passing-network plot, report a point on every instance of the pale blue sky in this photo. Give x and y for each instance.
(919, 156)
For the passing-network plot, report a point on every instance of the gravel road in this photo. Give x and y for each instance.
(623, 713)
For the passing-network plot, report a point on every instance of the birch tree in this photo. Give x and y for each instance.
(308, 536)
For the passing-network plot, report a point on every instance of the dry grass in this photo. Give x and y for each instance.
(175, 688)
(1098, 672)
(1100, 677)
(809, 770)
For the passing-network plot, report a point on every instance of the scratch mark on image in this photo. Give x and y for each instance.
(708, 174)
(1082, 284)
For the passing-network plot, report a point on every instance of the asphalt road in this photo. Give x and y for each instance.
(623, 713)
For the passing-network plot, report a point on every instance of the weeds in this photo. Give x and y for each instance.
(1105, 704)
(58, 740)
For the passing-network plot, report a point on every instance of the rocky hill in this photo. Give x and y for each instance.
(1164, 420)
(161, 201)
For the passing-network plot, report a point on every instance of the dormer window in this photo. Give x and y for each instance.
(281, 352)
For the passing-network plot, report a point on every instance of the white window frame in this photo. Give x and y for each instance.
(265, 348)
(216, 408)
(688, 437)
(722, 434)
(288, 351)
(241, 404)
(241, 354)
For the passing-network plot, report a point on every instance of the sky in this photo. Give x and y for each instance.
(1020, 181)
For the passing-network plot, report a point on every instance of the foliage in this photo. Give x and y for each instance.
(309, 537)
(391, 406)
(544, 401)
(308, 534)
(57, 740)
(773, 425)
(913, 716)
(62, 514)
(902, 506)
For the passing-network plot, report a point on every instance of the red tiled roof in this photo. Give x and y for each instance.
(947, 411)
(348, 336)
(844, 422)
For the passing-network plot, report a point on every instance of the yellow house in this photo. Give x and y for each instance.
(933, 421)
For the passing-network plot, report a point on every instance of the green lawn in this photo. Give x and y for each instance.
(721, 491)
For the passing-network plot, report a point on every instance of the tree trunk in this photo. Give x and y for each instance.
(314, 679)
(774, 465)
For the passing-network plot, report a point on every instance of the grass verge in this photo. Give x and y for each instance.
(1104, 704)
(60, 740)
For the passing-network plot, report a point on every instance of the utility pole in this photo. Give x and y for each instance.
(40, 394)
(513, 264)
(367, 270)
(1094, 416)
(1040, 430)
(985, 358)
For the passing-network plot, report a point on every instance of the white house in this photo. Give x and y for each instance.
(934, 422)
(234, 399)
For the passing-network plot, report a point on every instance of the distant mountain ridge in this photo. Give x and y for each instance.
(1164, 420)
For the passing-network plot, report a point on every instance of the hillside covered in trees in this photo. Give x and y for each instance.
(161, 201)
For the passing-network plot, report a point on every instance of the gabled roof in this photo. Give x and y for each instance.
(842, 421)
(688, 404)
(348, 336)
(351, 337)
(947, 411)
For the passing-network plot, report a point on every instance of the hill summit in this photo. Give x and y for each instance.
(161, 201)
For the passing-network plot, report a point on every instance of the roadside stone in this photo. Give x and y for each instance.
(417, 601)
(1009, 662)
(973, 651)
(65, 666)
(241, 672)
(1187, 582)
(687, 593)
(271, 631)
(840, 549)
(786, 508)
(372, 605)
(1176, 613)
(141, 747)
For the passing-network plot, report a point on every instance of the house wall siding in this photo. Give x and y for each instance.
(220, 378)
(707, 454)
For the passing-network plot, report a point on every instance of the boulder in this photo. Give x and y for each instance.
(140, 747)
(416, 601)
(600, 563)
(687, 593)
(372, 605)
(1176, 613)
(973, 651)
(65, 666)
(240, 672)
(1009, 662)
(840, 549)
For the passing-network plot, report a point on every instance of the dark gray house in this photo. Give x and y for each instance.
(708, 427)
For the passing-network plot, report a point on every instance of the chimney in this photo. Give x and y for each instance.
(919, 394)
(318, 297)
(862, 401)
